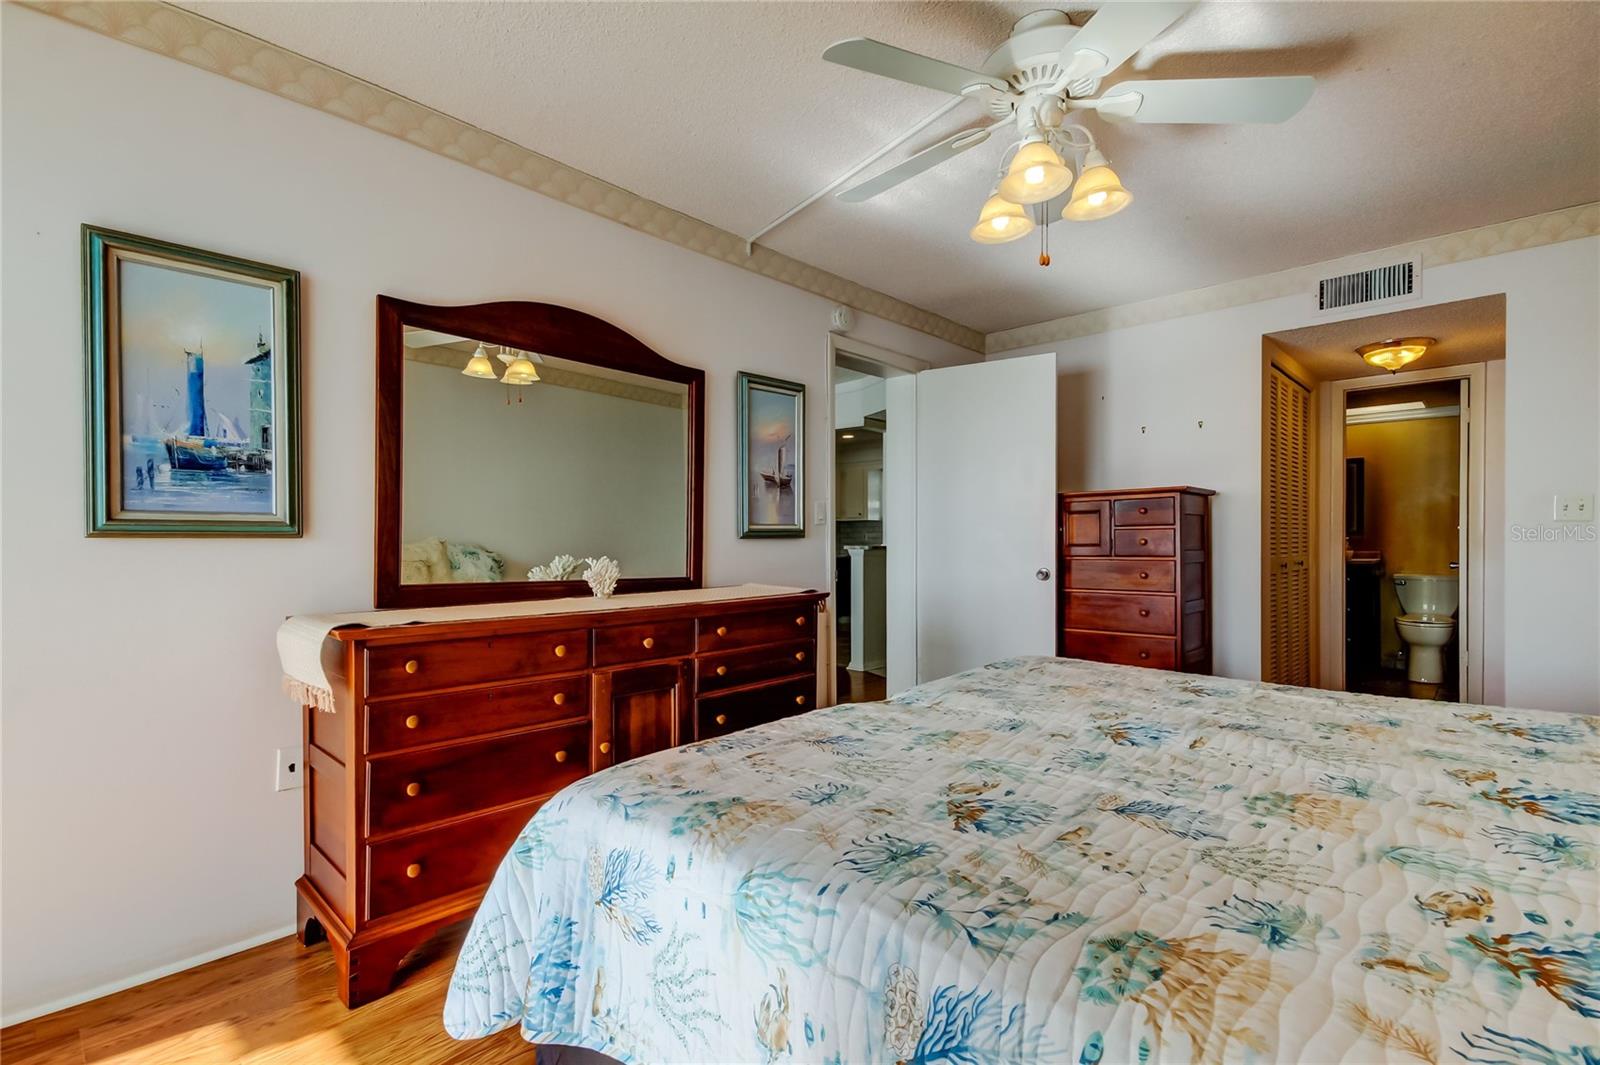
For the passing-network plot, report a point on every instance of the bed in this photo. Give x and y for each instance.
(1050, 860)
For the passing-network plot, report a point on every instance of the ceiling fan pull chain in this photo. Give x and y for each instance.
(1044, 237)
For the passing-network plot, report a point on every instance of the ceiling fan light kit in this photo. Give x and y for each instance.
(1037, 174)
(1046, 70)
(479, 365)
(1098, 193)
(1001, 221)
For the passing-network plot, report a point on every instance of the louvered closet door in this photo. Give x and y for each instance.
(1288, 643)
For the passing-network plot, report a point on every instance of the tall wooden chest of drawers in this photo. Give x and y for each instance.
(1136, 577)
(449, 736)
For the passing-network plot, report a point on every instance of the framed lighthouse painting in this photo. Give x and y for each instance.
(772, 418)
(193, 391)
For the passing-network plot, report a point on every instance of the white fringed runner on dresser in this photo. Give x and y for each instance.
(310, 659)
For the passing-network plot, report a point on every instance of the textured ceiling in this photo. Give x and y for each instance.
(1467, 331)
(1428, 118)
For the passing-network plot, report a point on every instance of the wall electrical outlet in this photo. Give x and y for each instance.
(1574, 508)
(290, 774)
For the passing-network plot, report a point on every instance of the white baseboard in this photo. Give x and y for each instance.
(28, 1013)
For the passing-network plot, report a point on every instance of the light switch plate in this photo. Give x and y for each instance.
(822, 514)
(1574, 508)
(290, 773)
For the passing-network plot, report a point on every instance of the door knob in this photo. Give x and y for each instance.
(1042, 574)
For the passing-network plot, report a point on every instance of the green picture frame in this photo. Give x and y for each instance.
(772, 462)
(179, 441)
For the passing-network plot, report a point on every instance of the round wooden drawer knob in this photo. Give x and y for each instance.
(561, 756)
(722, 630)
(412, 665)
(1143, 542)
(605, 748)
(1143, 576)
(414, 870)
(799, 700)
(1144, 613)
(413, 721)
(561, 650)
(1144, 654)
(649, 642)
(722, 671)
(800, 620)
(1144, 510)
(721, 719)
(413, 789)
(560, 698)
(799, 656)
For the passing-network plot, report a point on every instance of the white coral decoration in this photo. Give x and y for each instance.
(602, 575)
(560, 568)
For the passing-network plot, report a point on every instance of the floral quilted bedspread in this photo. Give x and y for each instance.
(1048, 860)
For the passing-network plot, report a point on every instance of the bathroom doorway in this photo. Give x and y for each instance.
(1405, 485)
(1322, 397)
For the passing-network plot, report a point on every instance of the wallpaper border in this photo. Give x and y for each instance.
(194, 39)
(1571, 223)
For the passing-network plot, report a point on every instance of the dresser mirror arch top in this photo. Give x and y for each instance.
(449, 736)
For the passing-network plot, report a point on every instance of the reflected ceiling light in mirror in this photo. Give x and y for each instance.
(479, 365)
(520, 371)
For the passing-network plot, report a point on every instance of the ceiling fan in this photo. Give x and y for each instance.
(1038, 79)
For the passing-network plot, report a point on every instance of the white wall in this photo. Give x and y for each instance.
(1132, 402)
(548, 473)
(140, 686)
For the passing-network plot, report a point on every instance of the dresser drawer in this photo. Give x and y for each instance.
(723, 714)
(722, 632)
(618, 644)
(406, 790)
(1123, 650)
(398, 724)
(402, 668)
(1119, 612)
(428, 865)
(1144, 511)
(1112, 574)
(714, 672)
(1138, 541)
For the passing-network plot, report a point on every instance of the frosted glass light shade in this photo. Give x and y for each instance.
(1099, 192)
(1391, 355)
(479, 365)
(1037, 174)
(1001, 221)
(520, 372)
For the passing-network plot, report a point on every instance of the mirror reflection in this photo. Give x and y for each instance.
(514, 460)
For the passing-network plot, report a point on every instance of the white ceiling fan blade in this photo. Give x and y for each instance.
(1208, 100)
(926, 159)
(1112, 35)
(885, 60)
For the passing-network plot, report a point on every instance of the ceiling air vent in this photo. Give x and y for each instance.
(1399, 282)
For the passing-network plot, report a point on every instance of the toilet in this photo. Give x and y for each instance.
(1426, 623)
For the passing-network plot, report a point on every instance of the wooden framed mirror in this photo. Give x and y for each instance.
(509, 434)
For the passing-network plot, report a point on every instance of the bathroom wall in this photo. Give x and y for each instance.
(1413, 502)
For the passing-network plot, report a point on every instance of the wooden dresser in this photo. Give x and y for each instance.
(448, 736)
(1136, 577)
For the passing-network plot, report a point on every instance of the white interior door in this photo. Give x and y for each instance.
(1460, 566)
(986, 501)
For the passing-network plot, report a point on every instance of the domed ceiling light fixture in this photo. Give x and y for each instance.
(1397, 353)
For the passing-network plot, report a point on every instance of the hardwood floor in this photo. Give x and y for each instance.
(273, 1004)
(857, 687)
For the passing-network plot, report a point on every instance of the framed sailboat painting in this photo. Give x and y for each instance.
(193, 391)
(772, 418)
